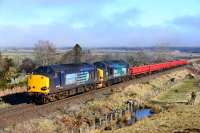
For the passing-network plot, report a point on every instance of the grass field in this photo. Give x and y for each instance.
(178, 117)
(181, 92)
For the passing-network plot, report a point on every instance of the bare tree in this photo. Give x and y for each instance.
(67, 57)
(45, 53)
(27, 65)
(87, 56)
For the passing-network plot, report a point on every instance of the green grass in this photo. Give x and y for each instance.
(178, 117)
(3, 105)
(180, 92)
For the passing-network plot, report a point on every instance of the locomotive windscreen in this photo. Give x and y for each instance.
(43, 70)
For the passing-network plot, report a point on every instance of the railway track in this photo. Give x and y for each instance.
(23, 112)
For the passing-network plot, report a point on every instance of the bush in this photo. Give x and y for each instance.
(27, 65)
(3, 84)
(22, 83)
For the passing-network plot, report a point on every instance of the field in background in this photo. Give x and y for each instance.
(18, 54)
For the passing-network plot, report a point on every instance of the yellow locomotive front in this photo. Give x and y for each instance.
(38, 84)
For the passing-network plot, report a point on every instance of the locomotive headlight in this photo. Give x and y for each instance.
(44, 88)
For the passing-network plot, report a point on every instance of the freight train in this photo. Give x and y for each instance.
(54, 82)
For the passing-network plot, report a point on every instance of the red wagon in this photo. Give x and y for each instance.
(156, 67)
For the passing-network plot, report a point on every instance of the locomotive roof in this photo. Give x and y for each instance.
(58, 67)
(64, 67)
(112, 63)
(116, 62)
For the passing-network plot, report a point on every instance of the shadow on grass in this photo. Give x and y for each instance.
(17, 98)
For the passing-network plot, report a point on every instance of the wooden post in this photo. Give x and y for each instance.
(80, 130)
(128, 105)
(94, 123)
(100, 122)
(106, 119)
(114, 115)
(121, 113)
(111, 116)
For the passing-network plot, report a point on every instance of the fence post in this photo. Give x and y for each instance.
(100, 122)
(80, 130)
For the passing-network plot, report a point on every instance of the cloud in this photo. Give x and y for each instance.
(87, 24)
(92, 23)
(188, 21)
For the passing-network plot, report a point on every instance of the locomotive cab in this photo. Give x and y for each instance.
(39, 82)
(110, 72)
(54, 82)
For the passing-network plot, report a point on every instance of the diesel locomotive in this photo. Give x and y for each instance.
(54, 82)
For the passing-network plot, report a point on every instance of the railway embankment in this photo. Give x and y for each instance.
(110, 111)
(181, 110)
(9, 97)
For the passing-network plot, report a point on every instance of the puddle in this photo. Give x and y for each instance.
(142, 113)
(139, 115)
(123, 118)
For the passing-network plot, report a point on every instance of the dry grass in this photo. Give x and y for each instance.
(176, 119)
(140, 91)
(180, 92)
(4, 105)
(155, 85)
(33, 126)
(197, 100)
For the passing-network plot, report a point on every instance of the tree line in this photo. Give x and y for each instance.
(45, 53)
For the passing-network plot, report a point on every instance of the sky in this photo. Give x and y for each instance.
(100, 23)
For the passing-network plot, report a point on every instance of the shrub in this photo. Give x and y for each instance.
(22, 83)
(3, 84)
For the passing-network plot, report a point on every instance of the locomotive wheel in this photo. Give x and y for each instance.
(108, 83)
(45, 100)
(39, 99)
(103, 84)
